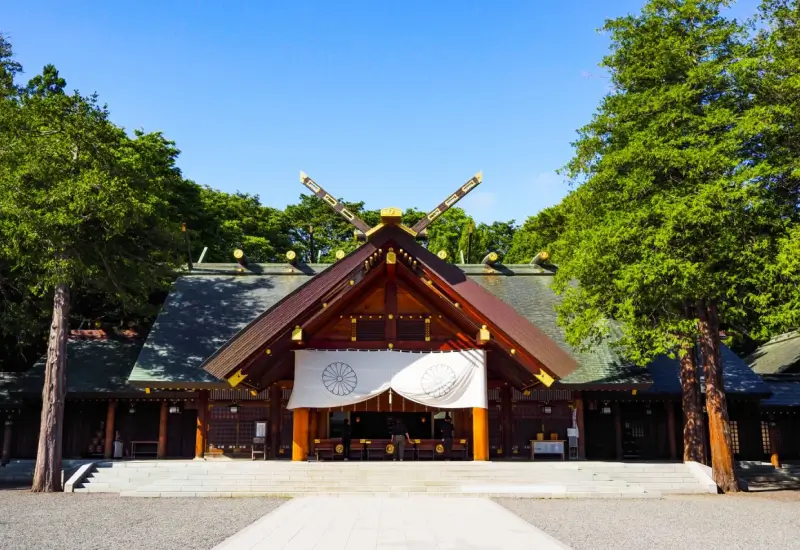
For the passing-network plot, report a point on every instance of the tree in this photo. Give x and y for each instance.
(667, 230)
(774, 151)
(80, 207)
(539, 233)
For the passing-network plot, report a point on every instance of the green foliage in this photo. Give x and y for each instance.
(538, 233)
(669, 212)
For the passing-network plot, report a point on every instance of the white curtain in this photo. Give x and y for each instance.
(334, 378)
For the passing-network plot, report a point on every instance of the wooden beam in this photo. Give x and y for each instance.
(161, 452)
(275, 419)
(300, 435)
(671, 426)
(390, 309)
(480, 433)
(200, 432)
(111, 413)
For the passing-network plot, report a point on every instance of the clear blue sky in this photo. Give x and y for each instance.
(392, 103)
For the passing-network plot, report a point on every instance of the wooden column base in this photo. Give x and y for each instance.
(480, 434)
(300, 434)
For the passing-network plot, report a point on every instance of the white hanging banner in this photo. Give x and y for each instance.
(336, 378)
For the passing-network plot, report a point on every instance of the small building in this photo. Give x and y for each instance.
(277, 356)
(778, 363)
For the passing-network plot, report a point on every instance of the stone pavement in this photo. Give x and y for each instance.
(397, 523)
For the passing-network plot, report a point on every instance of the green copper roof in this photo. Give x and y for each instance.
(93, 366)
(779, 355)
(203, 311)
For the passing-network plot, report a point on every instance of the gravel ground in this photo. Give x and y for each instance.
(747, 521)
(108, 522)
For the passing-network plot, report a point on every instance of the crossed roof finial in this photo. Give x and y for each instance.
(391, 215)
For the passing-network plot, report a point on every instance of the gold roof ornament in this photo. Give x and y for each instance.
(339, 254)
(442, 254)
(238, 253)
(291, 256)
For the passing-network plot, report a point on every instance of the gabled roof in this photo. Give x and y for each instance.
(203, 311)
(502, 314)
(279, 317)
(282, 316)
(779, 355)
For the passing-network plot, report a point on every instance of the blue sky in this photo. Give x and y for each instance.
(392, 103)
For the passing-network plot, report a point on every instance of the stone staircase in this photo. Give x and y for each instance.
(180, 478)
(763, 476)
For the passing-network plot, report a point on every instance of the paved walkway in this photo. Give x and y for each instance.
(375, 523)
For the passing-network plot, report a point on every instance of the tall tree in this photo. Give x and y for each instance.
(667, 231)
(773, 76)
(79, 208)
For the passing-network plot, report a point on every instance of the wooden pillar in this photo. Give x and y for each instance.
(480, 433)
(5, 456)
(507, 419)
(774, 458)
(111, 414)
(275, 420)
(300, 434)
(673, 443)
(162, 431)
(618, 429)
(202, 427)
(581, 431)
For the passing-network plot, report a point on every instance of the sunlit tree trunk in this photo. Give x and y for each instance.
(722, 464)
(47, 476)
(693, 436)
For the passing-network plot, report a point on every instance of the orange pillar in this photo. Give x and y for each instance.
(162, 432)
(110, 415)
(300, 434)
(200, 433)
(775, 458)
(480, 433)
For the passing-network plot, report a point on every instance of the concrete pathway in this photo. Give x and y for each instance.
(396, 523)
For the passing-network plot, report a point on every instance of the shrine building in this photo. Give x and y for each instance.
(246, 359)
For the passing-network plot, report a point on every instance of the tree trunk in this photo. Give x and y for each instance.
(693, 440)
(47, 475)
(722, 464)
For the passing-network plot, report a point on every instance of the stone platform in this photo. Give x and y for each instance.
(191, 478)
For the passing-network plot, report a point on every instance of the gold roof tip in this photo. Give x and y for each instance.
(303, 176)
(391, 214)
(479, 176)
